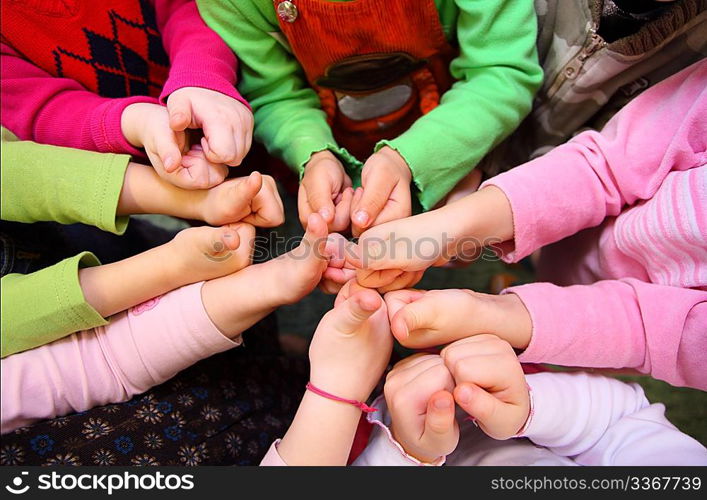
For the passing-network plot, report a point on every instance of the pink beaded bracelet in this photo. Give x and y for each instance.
(358, 404)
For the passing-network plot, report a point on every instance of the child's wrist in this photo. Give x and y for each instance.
(130, 121)
(170, 264)
(318, 156)
(396, 159)
(482, 218)
(359, 393)
(512, 320)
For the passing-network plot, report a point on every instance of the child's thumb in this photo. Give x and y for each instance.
(357, 309)
(441, 434)
(479, 404)
(418, 315)
(179, 109)
(248, 189)
(439, 421)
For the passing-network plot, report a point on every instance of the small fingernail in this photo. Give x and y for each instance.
(361, 217)
(442, 404)
(325, 213)
(168, 162)
(406, 331)
(464, 395)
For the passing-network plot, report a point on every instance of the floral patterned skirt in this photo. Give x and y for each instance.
(225, 410)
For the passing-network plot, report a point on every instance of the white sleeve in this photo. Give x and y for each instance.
(597, 420)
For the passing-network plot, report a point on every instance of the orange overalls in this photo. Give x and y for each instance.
(377, 65)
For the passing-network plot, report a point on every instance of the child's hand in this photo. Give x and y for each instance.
(418, 394)
(146, 125)
(205, 253)
(339, 271)
(385, 193)
(227, 123)
(326, 189)
(197, 172)
(352, 344)
(421, 319)
(253, 199)
(490, 384)
(411, 244)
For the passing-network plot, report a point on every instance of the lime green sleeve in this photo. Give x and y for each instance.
(288, 117)
(498, 74)
(44, 306)
(51, 183)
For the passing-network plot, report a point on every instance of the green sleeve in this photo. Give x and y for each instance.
(46, 305)
(51, 183)
(498, 74)
(288, 117)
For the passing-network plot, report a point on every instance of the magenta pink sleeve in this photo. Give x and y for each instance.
(139, 349)
(579, 184)
(198, 56)
(36, 106)
(655, 329)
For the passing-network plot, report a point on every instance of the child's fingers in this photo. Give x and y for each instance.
(377, 279)
(229, 237)
(484, 344)
(339, 276)
(342, 217)
(336, 248)
(239, 140)
(329, 286)
(315, 238)
(168, 152)
(255, 183)
(180, 112)
(303, 208)
(398, 299)
(318, 190)
(399, 206)
(405, 280)
(441, 430)
(376, 193)
(416, 317)
(493, 372)
(267, 205)
(221, 145)
(490, 413)
(353, 312)
(407, 370)
(249, 188)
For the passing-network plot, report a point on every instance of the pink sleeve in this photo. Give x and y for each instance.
(655, 329)
(272, 458)
(593, 176)
(198, 56)
(602, 421)
(139, 349)
(39, 107)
